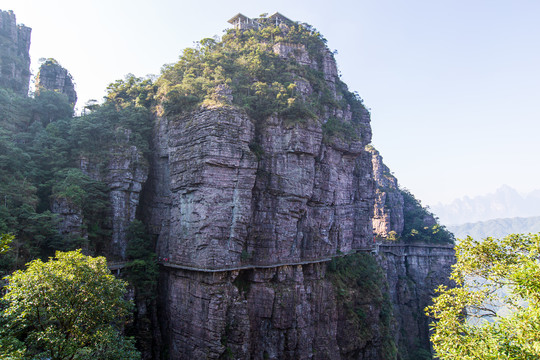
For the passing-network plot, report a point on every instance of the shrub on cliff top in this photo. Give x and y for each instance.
(260, 81)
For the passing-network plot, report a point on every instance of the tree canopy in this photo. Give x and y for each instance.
(494, 311)
(43, 147)
(69, 307)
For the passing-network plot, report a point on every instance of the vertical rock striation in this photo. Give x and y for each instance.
(303, 200)
(14, 54)
(249, 214)
(70, 216)
(126, 173)
(413, 272)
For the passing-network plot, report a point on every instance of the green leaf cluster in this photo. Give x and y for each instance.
(142, 269)
(5, 240)
(494, 312)
(69, 307)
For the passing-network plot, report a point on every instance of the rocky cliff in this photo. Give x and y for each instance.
(14, 53)
(280, 233)
(412, 273)
(228, 209)
(53, 77)
(250, 213)
(388, 207)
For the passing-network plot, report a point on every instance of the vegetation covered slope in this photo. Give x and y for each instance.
(244, 65)
(42, 144)
(420, 225)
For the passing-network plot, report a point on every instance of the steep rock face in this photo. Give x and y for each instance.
(388, 209)
(413, 272)
(52, 76)
(14, 53)
(303, 200)
(249, 212)
(205, 174)
(288, 312)
(270, 314)
(229, 193)
(127, 171)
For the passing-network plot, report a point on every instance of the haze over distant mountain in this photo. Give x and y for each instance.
(497, 228)
(505, 202)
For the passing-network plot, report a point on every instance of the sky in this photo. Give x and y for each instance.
(452, 85)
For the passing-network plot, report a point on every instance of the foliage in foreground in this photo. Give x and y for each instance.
(70, 307)
(5, 240)
(492, 275)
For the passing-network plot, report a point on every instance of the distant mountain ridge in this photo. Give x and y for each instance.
(505, 202)
(497, 228)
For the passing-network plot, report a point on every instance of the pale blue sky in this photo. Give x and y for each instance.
(453, 85)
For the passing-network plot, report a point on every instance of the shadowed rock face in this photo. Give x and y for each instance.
(126, 173)
(281, 313)
(413, 273)
(71, 218)
(14, 54)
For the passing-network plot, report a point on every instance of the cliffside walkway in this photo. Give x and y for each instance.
(378, 248)
(410, 249)
(394, 249)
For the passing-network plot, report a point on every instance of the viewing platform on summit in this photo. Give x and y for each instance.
(240, 21)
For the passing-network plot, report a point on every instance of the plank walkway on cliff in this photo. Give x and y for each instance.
(393, 249)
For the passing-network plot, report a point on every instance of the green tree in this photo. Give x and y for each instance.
(70, 307)
(494, 311)
(5, 240)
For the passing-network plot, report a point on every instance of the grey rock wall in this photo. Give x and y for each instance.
(248, 214)
(413, 272)
(70, 216)
(216, 206)
(14, 54)
(126, 173)
(288, 312)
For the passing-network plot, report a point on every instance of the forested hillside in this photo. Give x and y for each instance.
(42, 145)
